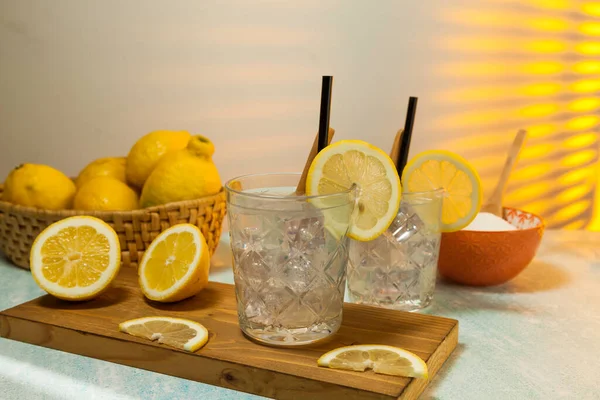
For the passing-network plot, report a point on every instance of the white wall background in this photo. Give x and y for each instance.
(84, 79)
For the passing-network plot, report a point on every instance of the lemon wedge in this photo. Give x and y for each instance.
(176, 264)
(435, 169)
(75, 258)
(346, 163)
(387, 360)
(175, 332)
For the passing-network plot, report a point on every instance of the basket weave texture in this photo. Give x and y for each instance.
(19, 226)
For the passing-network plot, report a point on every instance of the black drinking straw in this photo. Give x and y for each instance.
(325, 111)
(406, 136)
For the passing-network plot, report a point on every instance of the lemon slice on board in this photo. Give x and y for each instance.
(176, 264)
(435, 169)
(353, 162)
(75, 258)
(387, 360)
(175, 332)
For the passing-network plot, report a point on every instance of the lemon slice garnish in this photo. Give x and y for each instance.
(353, 162)
(175, 332)
(176, 264)
(76, 258)
(435, 169)
(387, 360)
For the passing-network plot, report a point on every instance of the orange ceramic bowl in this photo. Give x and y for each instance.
(491, 258)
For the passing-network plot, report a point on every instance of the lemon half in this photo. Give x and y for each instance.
(176, 264)
(76, 258)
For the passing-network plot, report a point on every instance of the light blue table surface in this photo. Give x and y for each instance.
(537, 337)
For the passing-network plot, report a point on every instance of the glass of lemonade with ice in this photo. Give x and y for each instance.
(398, 269)
(289, 263)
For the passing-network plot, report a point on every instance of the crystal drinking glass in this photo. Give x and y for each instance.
(398, 269)
(290, 255)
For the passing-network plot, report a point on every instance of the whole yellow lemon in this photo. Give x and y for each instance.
(113, 167)
(147, 152)
(107, 194)
(186, 174)
(40, 186)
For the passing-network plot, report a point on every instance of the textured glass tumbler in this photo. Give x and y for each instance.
(290, 255)
(398, 269)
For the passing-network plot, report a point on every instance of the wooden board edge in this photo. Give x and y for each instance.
(152, 358)
(416, 386)
(407, 314)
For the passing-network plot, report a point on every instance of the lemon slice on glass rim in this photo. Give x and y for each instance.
(441, 169)
(348, 163)
(382, 359)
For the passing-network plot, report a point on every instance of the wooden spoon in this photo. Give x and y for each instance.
(301, 188)
(494, 202)
(396, 147)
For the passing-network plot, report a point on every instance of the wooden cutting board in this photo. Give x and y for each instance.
(229, 359)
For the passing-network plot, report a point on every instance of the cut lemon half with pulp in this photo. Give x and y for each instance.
(437, 169)
(175, 332)
(348, 163)
(75, 258)
(176, 264)
(387, 360)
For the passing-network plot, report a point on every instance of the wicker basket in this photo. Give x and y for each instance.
(136, 229)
